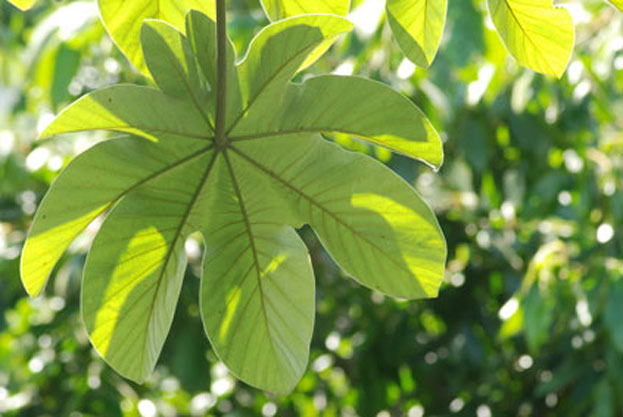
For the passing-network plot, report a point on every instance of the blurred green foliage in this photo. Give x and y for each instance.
(530, 319)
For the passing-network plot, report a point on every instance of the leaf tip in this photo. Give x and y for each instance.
(33, 287)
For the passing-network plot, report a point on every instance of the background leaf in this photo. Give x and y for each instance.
(537, 34)
(23, 4)
(418, 26)
(123, 20)
(280, 9)
(618, 4)
(614, 313)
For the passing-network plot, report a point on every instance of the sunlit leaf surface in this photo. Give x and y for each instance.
(418, 26)
(539, 35)
(123, 20)
(281, 9)
(618, 4)
(23, 4)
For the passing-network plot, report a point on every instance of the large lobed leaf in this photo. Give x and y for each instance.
(273, 174)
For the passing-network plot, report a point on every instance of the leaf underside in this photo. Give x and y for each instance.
(165, 178)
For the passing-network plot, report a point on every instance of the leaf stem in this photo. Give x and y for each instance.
(221, 86)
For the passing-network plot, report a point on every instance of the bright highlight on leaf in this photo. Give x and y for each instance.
(168, 177)
(23, 4)
(618, 4)
(281, 9)
(539, 35)
(123, 20)
(418, 26)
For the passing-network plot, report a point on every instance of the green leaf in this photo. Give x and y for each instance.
(133, 274)
(281, 9)
(618, 4)
(141, 111)
(273, 173)
(257, 293)
(614, 314)
(96, 179)
(170, 60)
(201, 30)
(123, 20)
(538, 315)
(66, 65)
(342, 105)
(23, 4)
(537, 34)
(372, 222)
(603, 399)
(417, 26)
(276, 54)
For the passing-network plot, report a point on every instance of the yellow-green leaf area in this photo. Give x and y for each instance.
(618, 4)
(123, 20)
(168, 179)
(417, 26)
(539, 35)
(281, 9)
(23, 4)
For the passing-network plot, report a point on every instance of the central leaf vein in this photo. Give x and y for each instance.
(258, 269)
(171, 250)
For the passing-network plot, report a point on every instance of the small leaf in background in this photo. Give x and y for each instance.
(539, 35)
(614, 314)
(23, 4)
(603, 399)
(280, 9)
(538, 317)
(418, 26)
(123, 20)
(66, 65)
